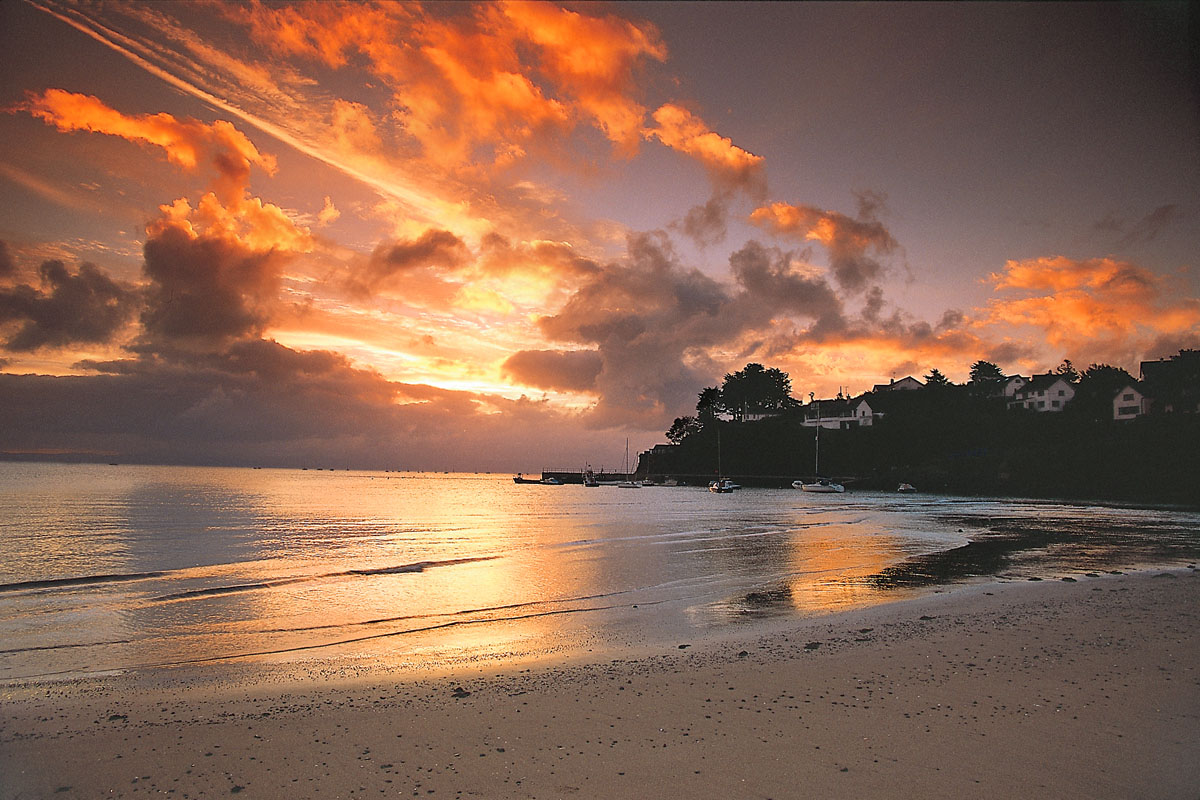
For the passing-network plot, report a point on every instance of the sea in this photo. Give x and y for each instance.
(124, 568)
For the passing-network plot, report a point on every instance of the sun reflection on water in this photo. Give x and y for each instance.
(109, 568)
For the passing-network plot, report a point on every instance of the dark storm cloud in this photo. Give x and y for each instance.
(258, 402)
(652, 322)
(853, 241)
(773, 286)
(706, 224)
(207, 290)
(255, 391)
(203, 386)
(87, 307)
(572, 370)
(641, 315)
(501, 257)
(434, 248)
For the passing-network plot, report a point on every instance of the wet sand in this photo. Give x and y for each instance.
(1089, 688)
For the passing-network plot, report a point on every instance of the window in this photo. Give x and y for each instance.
(1127, 397)
(1041, 403)
(1061, 393)
(1056, 404)
(1128, 411)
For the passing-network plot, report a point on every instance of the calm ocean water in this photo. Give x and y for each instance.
(135, 567)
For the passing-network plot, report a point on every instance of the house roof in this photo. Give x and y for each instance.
(830, 408)
(1039, 383)
(907, 382)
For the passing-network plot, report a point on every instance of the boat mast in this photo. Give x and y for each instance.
(718, 453)
(817, 439)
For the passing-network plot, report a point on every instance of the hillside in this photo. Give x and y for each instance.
(959, 445)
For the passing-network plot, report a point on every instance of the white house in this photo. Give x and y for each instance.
(1043, 393)
(832, 414)
(1013, 384)
(864, 415)
(1129, 403)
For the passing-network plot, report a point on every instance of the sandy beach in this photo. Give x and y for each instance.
(1073, 688)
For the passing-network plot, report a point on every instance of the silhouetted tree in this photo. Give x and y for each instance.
(709, 404)
(756, 389)
(1097, 386)
(985, 371)
(682, 428)
(936, 378)
(1068, 371)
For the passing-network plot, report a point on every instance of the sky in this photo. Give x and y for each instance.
(514, 236)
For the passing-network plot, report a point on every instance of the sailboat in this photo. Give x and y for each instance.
(820, 485)
(721, 485)
(627, 483)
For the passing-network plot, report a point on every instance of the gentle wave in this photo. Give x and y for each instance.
(236, 656)
(85, 580)
(417, 566)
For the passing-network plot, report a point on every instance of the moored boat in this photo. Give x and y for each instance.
(521, 479)
(628, 483)
(821, 486)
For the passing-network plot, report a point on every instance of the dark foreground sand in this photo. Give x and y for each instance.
(1088, 689)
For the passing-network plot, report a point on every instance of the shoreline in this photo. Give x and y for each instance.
(1087, 688)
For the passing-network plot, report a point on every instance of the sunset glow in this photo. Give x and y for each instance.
(511, 235)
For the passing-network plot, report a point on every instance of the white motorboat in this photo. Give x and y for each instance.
(822, 486)
(906, 488)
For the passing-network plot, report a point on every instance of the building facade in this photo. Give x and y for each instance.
(1043, 393)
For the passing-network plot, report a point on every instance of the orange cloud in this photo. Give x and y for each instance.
(327, 32)
(493, 101)
(592, 59)
(1095, 308)
(329, 213)
(847, 239)
(482, 85)
(1058, 273)
(226, 211)
(185, 142)
(353, 127)
(1089, 310)
(681, 130)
